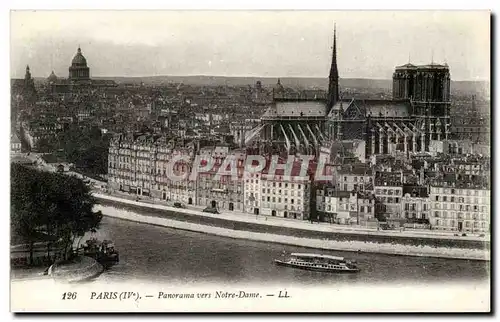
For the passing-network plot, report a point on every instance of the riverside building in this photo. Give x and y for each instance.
(345, 207)
(462, 206)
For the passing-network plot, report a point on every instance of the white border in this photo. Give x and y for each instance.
(255, 4)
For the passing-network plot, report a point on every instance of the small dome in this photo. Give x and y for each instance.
(79, 60)
(52, 77)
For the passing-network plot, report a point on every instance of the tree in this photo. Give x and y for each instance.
(50, 204)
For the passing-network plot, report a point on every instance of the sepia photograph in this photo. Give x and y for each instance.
(252, 161)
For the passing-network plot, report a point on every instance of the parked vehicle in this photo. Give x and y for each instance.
(211, 210)
(178, 205)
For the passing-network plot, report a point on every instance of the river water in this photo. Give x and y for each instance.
(158, 254)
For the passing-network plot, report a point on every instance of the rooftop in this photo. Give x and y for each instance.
(376, 108)
(296, 109)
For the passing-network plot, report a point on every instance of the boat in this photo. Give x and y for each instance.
(318, 262)
(102, 251)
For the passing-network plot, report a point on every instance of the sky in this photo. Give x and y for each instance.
(249, 43)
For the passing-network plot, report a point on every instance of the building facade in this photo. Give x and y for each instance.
(462, 207)
(418, 113)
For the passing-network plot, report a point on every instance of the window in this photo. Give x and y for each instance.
(436, 214)
(437, 198)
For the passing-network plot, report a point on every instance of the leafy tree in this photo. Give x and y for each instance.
(50, 204)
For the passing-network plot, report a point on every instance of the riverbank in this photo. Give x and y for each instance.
(78, 269)
(318, 237)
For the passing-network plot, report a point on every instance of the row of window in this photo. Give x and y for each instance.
(459, 215)
(388, 192)
(285, 192)
(453, 223)
(273, 199)
(460, 207)
(414, 206)
(328, 199)
(389, 199)
(361, 179)
(453, 191)
(457, 199)
(276, 184)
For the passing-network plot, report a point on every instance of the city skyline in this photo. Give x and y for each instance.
(168, 43)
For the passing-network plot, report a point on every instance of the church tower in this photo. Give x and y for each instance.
(333, 86)
(29, 90)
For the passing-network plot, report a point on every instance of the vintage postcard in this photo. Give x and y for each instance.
(250, 161)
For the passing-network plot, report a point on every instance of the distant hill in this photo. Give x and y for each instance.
(479, 87)
(303, 82)
(296, 82)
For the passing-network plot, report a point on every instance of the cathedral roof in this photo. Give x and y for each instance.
(375, 108)
(79, 59)
(296, 109)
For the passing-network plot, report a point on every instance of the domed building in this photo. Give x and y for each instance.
(52, 78)
(79, 71)
(79, 78)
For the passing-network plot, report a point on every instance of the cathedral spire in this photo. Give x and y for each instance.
(333, 87)
(333, 69)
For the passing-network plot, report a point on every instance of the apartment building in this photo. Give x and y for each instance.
(460, 206)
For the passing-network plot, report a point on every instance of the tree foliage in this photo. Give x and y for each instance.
(52, 204)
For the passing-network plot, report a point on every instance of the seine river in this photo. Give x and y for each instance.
(152, 253)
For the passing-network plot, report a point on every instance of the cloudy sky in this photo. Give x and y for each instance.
(251, 43)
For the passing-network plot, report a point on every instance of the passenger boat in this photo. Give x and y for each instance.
(318, 262)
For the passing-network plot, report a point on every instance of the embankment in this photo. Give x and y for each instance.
(319, 236)
(77, 270)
